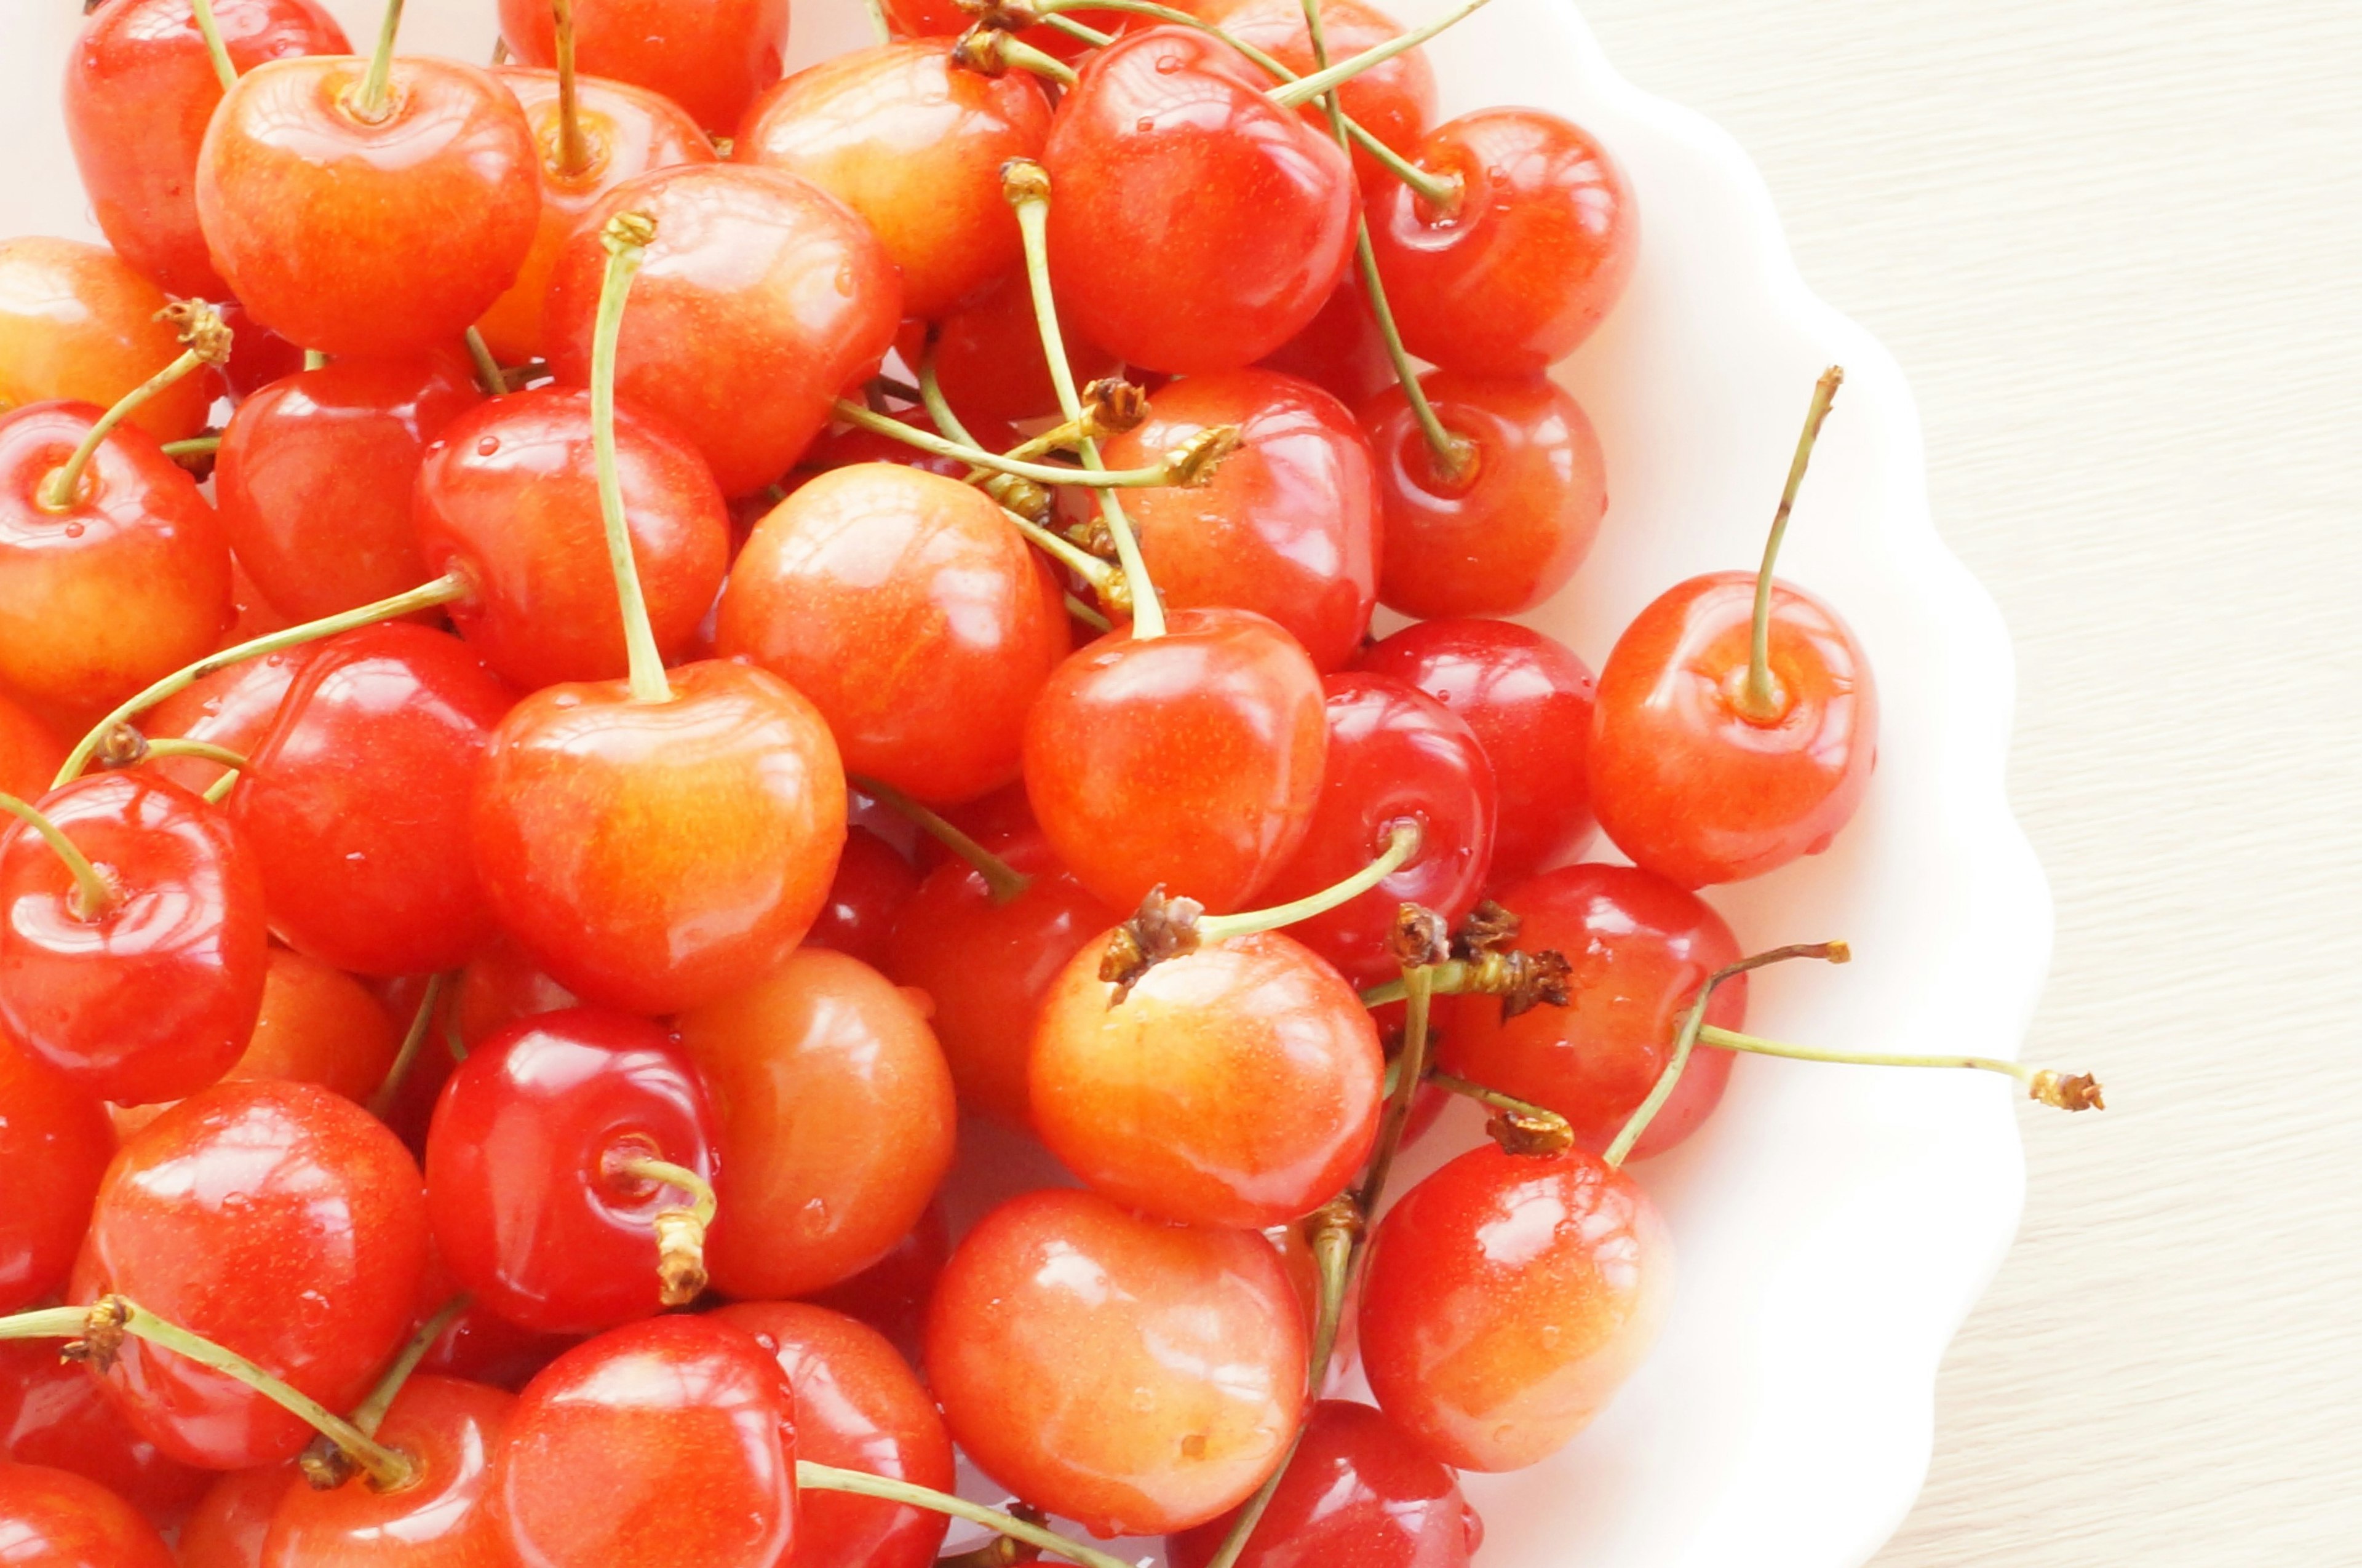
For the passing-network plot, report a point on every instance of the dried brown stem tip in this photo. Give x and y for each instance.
(2078, 1092)
(1022, 180)
(627, 231)
(124, 746)
(324, 1466)
(1536, 1135)
(680, 1256)
(1193, 462)
(102, 1334)
(1113, 405)
(1002, 1551)
(1487, 927)
(1523, 980)
(1161, 928)
(1008, 16)
(983, 49)
(201, 329)
(1418, 937)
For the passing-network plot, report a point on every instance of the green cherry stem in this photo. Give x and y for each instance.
(813, 1478)
(1088, 614)
(1402, 843)
(573, 147)
(877, 23)
(490, 377)
(627, 238)
(1418, 995)
(1493, 1098)
(208, 344)
(215, 49)
(369, 1414)
(92, 895)
(371, 103)
(181, 746)
(681, 1233)
(1304, 89)
(195, 447)
(1002, 880)
(413, 1040)
(1760, 699)
(2077, 1092)
(1104, 580)
(990, 52)
(218, 790)
(1182, 466)
(314, 360)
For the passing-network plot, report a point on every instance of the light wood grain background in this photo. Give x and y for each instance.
(2117, 246)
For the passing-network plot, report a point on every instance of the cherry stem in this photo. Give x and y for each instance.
(208, 344)
(1026, 185)
(177, 746)
(372, 105)
(626, 238)
(1306, 88)
(195, 447)
(1184, 464)
(218, 790)
(1015, 494)
(1418, 995)
(489, 375)
(1453, 977)
(1759, 701)
(2079, 1092)
(413, 1040)
(815, 1477)
(989, 52)
(314, 360)
(1088, 614)
(681, 1233)
(426, 596)
(1402, 843)
(1104, 580)
(877, 23)
(1003, 880)
(1485, 1095)
(210, 30)
(573, 148)
(92, 897)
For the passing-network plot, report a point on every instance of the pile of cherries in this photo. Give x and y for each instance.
(737, 620)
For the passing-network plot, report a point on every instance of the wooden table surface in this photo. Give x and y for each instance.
(2117, 246)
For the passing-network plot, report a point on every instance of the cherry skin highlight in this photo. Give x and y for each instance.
(1394, 101)
(451, 1432)
(836, 1117)
(711, 57)
(57, 1138)
(1135, 1376)
(52, 1412)
(78, 325)
(53, 1519)
(1691, 783)
(1534, 253)
(1509, 531)
(872, 884)
(1193, 759)
(1169, 110)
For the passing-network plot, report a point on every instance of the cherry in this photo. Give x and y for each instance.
(709, 56)
(498, 987)
(1529, 699)
(30, 752)
(1394, 101)
(357, 801)
(1505, 1300)
(836, 1123)
(55, 1137)
(78, 325)
(1509, 529)
(1135, 1376)
(52, 1412)
(1139, 1096)
(669, 1443)
(140, 88)
(314, 478)
(858, 1407)
(1527, 259)
(1394, 755)
(872, 882)
(233, 1519)
(53, 1519)
(947, 18)
(891, 1294)
(150, 991)
(232, 708)
(539, 1183)
(370, 209)
(988, 358)
(509, 500)
(1192, 759)
(988, 962)
(1270, 206)
(451, 1431)
(760, 298)
(276, 1219)
(257, 355)
(992, 821)
(1341, 351)
(914, 145)
(912, 615)
(1357, 1495)
(318, 1025)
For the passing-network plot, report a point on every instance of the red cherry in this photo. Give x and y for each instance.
(1395, 756)
(30, 753)
(509, 500)
(1193, 759)
(140, 91)
(52, 1412)
(1393, 101)
(761, 296)
(1530, 258)
(837, 1122)
(356, 800)
(1505, 1300)
(858, 1407)
(891, 1294)
(652, 856)
(314, 478)
(669, 1443)
(1342, 351)
(709, 56)
(498, 987)
(1506, 532)
(912, 615)
(1141, 1097)
(152, 996)
(1135, 1376)
(368, 236)
(318, 1025)
(275, 1219)
(234, 1519)
(533, 1210)
(232, 708)
(1357, 1495)
(257, 355)
(78, 325)
(993, 820)
(451, 1431)
(57, 1139)
(872, 882)
(1528, 700)
(52, 1519)
(946, 18)
(988, 358)
(914, 145)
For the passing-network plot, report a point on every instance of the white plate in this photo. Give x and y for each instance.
(1833, 1225)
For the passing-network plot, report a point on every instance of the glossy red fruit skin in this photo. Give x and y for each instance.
(30, 752)
(1640, 947)
(257, 355)
(1529, 699)
(526, 1213)
(858, 1407)
(914, 145)
(1076, 1349)
(1271, 205)
(53, 1519)
(988, 358)
(1339, 350)
(1537, 252)
(910, 612)
(509, 498)
(1141, 1098)
(314, 478)
(872, 882)
(357, 801)
(139, 92)
(1393, 102)
(711, 57)
(279, 1220)
(651, 856)
(1358, 1495)
(1193, 759)
(762, 297)
(154, 998)
(127, 583)
(232, 1519)
(669, 1443)
(232, 708)
(78, 325)
(58, 1139)
(1395, 756)
(451, 1433)
(1505, 534)
(1690, 786)
(891, 1294)
(52, 1412)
